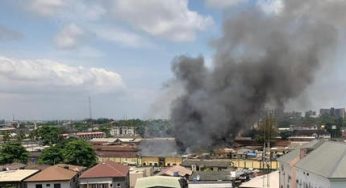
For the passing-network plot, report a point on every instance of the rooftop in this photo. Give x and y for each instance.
(15, 175)
(159, 181)
(211, 176)
(55, 173)
(106, 169)
(331, 160)
(261, 181)
(206, 163)
(295, 153)
(182, 171)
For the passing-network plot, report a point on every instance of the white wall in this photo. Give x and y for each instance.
(311, 180)
(338, 183)
(65, 184)
(95, 181)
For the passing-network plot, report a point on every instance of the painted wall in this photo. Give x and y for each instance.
(64, 184)
(308, 179)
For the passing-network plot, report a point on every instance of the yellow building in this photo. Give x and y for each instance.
(255, 164)
(161, 161)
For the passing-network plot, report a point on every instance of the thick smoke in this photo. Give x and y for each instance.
(261, 59)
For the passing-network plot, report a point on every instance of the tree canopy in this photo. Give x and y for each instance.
(49, 135)
(13, 151)
(51, 156)
(79, 152)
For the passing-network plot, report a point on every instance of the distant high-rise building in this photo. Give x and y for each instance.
(310, 113)
(335, 112)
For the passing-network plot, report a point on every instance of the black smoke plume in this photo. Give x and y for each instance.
(261, 59)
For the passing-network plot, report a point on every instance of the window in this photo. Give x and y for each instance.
(47, 185)
(38, 185)
(57, 185)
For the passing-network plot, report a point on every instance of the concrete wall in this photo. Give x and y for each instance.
(115, 182)
(122, 160)
(64, 184)
(308, 179)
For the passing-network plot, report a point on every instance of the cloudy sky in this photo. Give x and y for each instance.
(54, 54)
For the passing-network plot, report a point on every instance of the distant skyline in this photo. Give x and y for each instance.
(56, 54)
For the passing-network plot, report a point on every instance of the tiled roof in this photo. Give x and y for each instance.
(106, 169)
(54, 173)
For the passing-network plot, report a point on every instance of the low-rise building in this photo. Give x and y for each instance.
(139, 172)
(106, 175)
(264, 181)
(57, 176)
(85, 135)
(14, 178)
(161, 181)
(177, 171)
(323, 167)
(203, 179)
(288, 161)
(125, 154)
(201, 164)
(123, 131)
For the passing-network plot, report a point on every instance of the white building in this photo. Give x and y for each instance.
(57, 176)
(123, 131)
(324, 167)
(288, 161)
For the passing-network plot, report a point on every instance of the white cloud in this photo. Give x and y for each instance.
(222, 4)
(121, 36)
(46, 7)
(39, 76)
(68, 37)
(169, 19)
(271, 6)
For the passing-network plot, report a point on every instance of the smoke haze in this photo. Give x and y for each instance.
(262, 59)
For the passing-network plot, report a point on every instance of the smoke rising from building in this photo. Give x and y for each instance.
(261, 59)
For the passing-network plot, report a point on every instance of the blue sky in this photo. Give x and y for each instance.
(56, 53)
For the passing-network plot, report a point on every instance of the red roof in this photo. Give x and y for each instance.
(105, 170)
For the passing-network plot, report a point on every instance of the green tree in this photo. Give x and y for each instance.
(79, 152)
(51, 155)
(20, 135)
(106, 128)
(13, 151)
(6, 137)
(81, 126)
(49, 135)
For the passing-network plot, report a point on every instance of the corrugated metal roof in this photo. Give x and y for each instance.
(295, 153)
(15, 175)
(158, 181)
(182, 171)
(328, 160)
(211, 176)
(261, 181)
